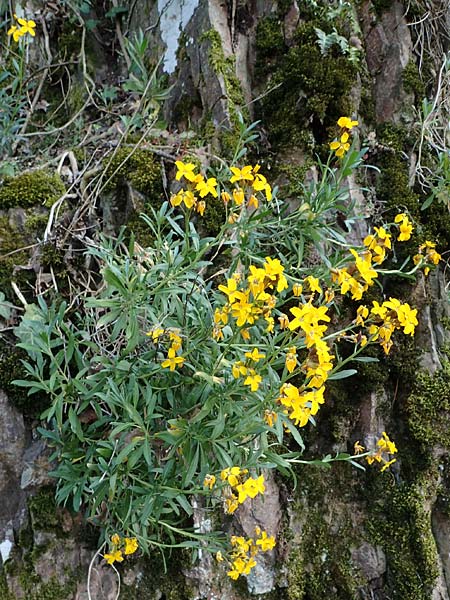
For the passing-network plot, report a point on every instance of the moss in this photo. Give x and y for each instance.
(269, 42)
(11, 258)
(31, 189)
(311, 89)
(394, 191)
(43, 511)
(167, 577)
(381, 6)
(320, 566)
(213, 218)
(139, 168)
(11, 368)
(402, 526)
(428, 409)
(412, 81)
(226, 67)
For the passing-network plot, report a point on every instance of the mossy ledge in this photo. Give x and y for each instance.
(31, 189)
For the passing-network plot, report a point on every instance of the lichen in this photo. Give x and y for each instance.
(31, 189)
(412, 82)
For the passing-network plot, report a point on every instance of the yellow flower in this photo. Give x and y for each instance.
(266, 542)
(270, 417)
(225, 197)
(244, 174)
(346, 123)
(255, 355)
(219, 556)
(15, 32)
(405, 227)
(387, 465)
(207, 187)
(116, 555)
(253, 380)
(253, 487)
(291, 359)
(231, 504)
(200, 208)
(155, 333)
(238, 196)
(340, 147)
(209, 481)
(185, 170)
(115, 539)
(313, 284)
(26, 26)
(253, 202)
(364, 266)
(172, 360)
(297, 289)
(358, 448)
(238, 369)
(131, 545)
(284, 321)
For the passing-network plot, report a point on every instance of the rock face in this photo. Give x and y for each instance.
(13, 441)
(341, 534)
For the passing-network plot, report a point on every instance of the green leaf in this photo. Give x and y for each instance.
(342, 374)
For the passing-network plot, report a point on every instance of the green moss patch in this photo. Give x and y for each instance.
(309, 87)
(31, 189)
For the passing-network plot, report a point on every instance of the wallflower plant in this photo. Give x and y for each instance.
(174, 384)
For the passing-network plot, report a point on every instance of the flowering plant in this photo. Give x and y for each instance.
(174, 381)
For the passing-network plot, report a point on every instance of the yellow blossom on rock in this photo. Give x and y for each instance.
(266, 542)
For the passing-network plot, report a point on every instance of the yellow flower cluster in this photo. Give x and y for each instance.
(25, 27)
(341, 146)
(173, 337)
(254, 300)
(387, 317)
(360, 275)
(427, 255)
(197, 184)
(242, 559)
(382, 455)
(238, 486)
(119, 547)
(248, 180)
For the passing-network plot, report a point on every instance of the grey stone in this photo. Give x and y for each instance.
(370, 559)
(12, 447)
